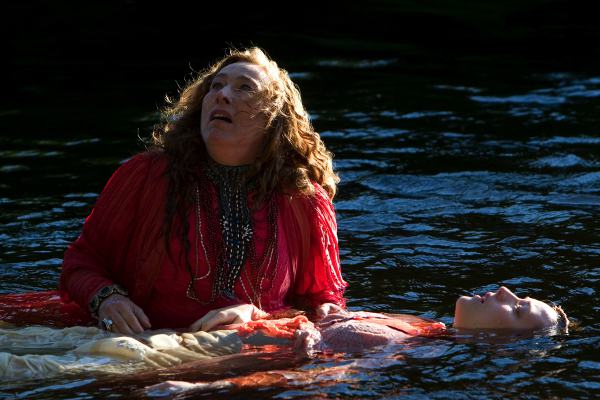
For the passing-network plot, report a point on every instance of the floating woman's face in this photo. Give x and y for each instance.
(503, 310)
(232, 126)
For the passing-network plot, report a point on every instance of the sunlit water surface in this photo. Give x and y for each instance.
(449, 186)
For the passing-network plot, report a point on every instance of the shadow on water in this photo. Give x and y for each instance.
(459, 173)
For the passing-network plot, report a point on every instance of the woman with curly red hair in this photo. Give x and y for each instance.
(226, 217)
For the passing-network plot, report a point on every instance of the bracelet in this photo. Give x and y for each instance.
(102, 295)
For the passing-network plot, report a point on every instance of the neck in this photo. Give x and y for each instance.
(225, 165)
(226, 174)
(229, 159)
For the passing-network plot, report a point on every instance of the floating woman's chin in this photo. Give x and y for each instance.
(465, 316)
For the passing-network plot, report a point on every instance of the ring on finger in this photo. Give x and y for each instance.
(107, 324)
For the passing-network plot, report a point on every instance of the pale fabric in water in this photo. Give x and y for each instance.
(36, 351)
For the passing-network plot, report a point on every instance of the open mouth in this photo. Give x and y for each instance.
(221, 116)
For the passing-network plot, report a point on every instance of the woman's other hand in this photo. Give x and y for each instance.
(329, 308)
(126, 316)
(237, 314)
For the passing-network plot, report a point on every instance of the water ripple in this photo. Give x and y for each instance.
(521, 99)
(562, 161)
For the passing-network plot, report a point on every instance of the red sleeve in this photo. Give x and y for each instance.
(89, 262)
(319, 280)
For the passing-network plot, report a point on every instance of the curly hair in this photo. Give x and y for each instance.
(293, 153)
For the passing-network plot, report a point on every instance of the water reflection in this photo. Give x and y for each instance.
(447, 187)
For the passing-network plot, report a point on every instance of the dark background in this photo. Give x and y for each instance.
(136, 36)
(60, 54)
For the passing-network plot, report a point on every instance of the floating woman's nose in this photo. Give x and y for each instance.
(504, 292)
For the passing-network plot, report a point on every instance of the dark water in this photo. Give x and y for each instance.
(451, 183)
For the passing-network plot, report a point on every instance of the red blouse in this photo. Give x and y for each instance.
(122, 243)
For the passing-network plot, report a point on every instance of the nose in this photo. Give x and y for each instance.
(504, 293)
(223, 95)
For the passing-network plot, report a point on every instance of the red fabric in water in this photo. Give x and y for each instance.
(283, 328)
(414, 328)
(45, 308)
(41, 308)
(286, 327)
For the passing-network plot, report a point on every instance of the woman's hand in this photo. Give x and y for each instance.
(329, 308)
(126, 316)
(228, 315)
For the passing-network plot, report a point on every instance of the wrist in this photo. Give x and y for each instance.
(104, 294)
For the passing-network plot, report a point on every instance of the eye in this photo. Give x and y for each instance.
(521, 308)
(517, 309)
(246, 88)
(216, 85)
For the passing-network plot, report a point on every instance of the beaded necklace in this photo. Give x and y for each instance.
(236, 243)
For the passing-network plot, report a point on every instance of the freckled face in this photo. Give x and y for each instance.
(232, 128)
(502, 310)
